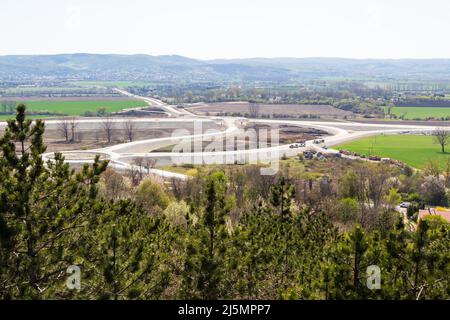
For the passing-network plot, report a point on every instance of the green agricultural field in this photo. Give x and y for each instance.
(411, 113)
(415, 150)
(78, 108)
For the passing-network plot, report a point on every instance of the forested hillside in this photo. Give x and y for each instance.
(84, 66)
(225, 234)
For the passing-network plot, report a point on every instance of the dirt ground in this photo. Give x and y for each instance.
(94, 139)
(87, 140)
(273, 110)
(291, 134)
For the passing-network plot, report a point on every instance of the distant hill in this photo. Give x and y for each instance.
(83, 66)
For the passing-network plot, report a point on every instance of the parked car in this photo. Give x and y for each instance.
(318, 141)
(308, 155)
(405, 205)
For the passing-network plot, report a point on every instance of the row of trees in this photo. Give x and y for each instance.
(202, 240)
(68, 129)
(348, 96)
(8, 106)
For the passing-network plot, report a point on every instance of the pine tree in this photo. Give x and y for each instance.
(350, 265)
(281, 197)
(251, 254)
(204, 264)
(122, 255)
(42, 206)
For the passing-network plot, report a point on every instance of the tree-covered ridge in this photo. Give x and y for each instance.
(221, 235)
(140, 67)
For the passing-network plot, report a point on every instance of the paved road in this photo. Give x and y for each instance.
(121, 155)
(151, 101)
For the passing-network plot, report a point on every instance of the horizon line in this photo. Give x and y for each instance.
(213, 59)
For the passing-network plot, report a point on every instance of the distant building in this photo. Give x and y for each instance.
(443, 212)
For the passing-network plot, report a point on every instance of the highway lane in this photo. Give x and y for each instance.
(173, 111)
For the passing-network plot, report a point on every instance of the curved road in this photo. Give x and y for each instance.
(120, 155)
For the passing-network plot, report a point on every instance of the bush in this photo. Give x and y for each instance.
(152, 196)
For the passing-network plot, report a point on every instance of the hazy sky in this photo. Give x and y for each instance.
(209, 29)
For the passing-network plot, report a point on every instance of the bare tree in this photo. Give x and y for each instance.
(138, 161)
(115, 186)
(149, 163)
(63, 128)
(140, 167)
(73, 129)
(129, 130)
(67, 128)
(108, 127)
(442, 137)
(136, 172)
(253, 109)
(177, 188)
(135, 175)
